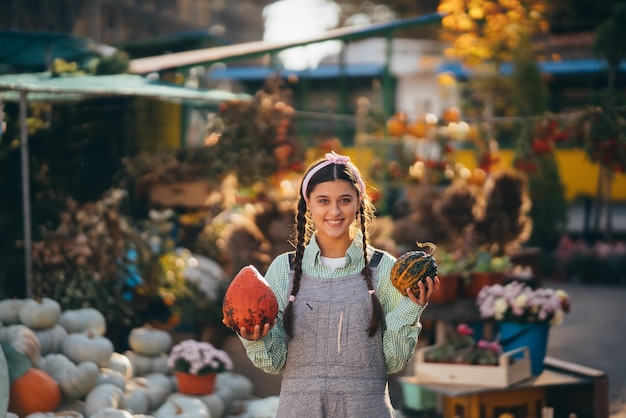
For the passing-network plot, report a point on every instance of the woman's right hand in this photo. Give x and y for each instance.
(258, 332)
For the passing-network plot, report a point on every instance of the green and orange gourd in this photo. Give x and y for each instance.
(413, 267)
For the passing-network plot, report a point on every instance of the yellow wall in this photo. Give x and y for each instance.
(158, 125)
(579, 176)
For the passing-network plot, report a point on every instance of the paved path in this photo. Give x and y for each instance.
(594, 335)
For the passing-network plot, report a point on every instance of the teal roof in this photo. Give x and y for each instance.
(44, 87)
(323, 71)
(35, 51)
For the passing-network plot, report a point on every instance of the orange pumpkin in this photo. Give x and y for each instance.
(34, 391)
(411, 268)
(396, 125)
(249, 301)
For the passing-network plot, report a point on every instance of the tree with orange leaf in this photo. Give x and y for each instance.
(482, 31)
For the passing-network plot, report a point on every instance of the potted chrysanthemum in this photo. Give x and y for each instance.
(524, 315)
(196, 364)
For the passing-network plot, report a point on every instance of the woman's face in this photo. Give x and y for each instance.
(333, 206)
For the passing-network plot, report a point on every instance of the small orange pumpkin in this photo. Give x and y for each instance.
(411, 268)
(22, 398)
(249, 301)
(396, 125)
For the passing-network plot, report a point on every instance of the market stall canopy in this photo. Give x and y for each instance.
(25, 88)
(35, 51)
(45, 87)
(252, 49)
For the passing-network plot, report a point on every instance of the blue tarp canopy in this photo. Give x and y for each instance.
(44, 87)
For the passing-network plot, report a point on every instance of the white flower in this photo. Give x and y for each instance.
(198, 357)
(500, 307)
(519, 302)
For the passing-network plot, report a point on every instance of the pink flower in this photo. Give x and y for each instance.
(464, 329)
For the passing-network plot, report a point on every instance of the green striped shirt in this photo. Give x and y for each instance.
(401, 328)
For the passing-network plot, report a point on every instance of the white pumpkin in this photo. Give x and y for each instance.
(112, 377)
(87, 346)
(111, 413)
(58, 414)
(262, 408)
(38, 314)
(214, 403)
(77, 405)
(82, 320)
(51, 339)
(121, 363)
(75, 381)
(10, 311)
(149, 341)
(24, 340)
(182, 407)
(240, 385)
(136, 400)
(155, 392)
(168, 382)
(104, 396)
(143, 364)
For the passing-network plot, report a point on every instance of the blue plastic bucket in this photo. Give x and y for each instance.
(534, 336)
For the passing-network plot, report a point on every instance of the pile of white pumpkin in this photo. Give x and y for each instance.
(97, 382)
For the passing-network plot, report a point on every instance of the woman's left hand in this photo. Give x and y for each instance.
(426, 291)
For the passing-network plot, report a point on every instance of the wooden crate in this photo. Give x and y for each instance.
(508, 371)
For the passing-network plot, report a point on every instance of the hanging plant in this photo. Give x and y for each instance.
(603, 138)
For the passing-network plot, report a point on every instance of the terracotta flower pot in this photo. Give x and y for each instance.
(478, 280)
(448, 288)
(193, 384)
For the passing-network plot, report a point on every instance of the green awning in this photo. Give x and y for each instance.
(44, 87)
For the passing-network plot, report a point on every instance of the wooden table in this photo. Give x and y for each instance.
(563, 386)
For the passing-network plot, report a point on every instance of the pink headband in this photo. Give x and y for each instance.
(333, 158)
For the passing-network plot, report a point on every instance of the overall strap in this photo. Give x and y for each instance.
(291, 257)
(376, 257)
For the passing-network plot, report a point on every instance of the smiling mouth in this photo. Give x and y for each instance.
(334, 222)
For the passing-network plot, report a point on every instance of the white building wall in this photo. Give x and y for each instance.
(414, 64)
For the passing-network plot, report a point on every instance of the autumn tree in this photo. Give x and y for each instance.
(490, 32)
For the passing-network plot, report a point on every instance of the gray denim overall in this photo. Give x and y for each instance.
(334, 369)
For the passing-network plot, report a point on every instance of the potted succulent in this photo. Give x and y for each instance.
(196, 364)
(452, 269)
(485, 269)
(524, 315)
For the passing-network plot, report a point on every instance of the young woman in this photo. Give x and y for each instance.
(342, 326)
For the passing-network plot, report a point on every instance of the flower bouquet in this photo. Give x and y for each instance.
(196, 365)
(518, 302)
(524, 316)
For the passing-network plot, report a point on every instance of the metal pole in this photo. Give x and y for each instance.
(28, 247)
